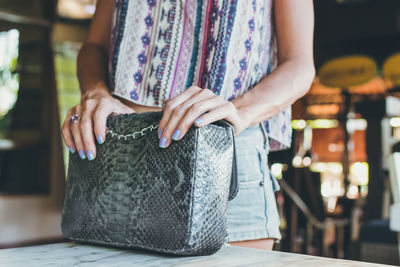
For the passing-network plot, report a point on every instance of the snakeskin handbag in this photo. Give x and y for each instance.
(136, 195)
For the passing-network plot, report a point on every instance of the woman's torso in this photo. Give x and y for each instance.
(161, 47)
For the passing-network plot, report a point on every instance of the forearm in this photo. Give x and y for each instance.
(92, 68)
(287, 83)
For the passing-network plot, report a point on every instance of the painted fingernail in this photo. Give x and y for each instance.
(159, 134)
(163, 142)
(90, 155)
(100, 139)
(71, 149)
(82, 154)
(176, 134)
(198, 121)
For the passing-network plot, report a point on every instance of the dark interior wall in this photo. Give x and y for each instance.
(23, 7)
(33, 171)
(43, 9)
(371, 27)
(30, 119)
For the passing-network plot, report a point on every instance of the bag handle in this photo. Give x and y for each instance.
(234, 186)
(133, 135)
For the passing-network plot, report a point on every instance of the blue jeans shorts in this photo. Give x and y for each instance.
(253, 213)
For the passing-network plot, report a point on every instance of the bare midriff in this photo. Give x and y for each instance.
(138, 108)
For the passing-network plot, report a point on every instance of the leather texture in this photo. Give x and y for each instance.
(137, 195)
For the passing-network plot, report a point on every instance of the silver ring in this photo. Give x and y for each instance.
(74, 118)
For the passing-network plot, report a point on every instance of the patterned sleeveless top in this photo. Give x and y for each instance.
(161, 47)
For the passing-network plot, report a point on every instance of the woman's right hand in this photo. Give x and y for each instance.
(92, 112)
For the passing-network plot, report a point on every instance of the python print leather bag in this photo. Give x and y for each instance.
(135, 194)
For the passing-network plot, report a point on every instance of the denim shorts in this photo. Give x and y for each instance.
(253, 213)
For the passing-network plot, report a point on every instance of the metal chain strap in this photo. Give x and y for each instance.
(134, 135)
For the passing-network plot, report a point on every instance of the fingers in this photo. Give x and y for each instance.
(103, 110)
(201, 108)
(100, 119)
(171, 105)
(195, 105)
(92, 112)
(66, 133)
(86, 129)
(76, 133)
(225, 111)
(179, 125)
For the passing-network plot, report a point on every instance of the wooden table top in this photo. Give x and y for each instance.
(75, 254)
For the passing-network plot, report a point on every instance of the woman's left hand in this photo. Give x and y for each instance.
(198, 106)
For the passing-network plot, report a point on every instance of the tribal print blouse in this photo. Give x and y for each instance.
(161, 47)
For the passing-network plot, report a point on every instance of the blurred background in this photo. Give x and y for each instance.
(340, 181)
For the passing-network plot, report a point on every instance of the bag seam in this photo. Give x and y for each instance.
(194, 169)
